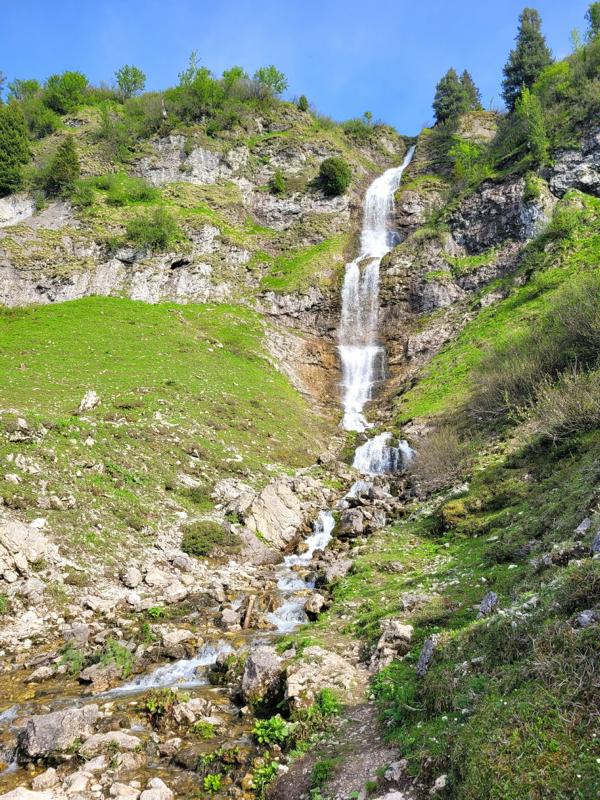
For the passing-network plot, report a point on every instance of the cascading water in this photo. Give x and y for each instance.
(379, 456)
(362, 357)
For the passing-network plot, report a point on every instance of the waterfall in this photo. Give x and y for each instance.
(378, 456)
(361, 354)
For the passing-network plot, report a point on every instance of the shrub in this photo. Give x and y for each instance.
(328, 703)
(60, 176)
(114, 133)
(278, 182)
(159, 704)
(116, 653)
(334, 176)
(130, 81)
(83, 193)
(568, 406)
(14, 148)
(65, 93)
(442, 459)
(323, 770)
(262, 776)
(303, 103)
(122, 189)
(274, 730)
(72, 658)
(205, 730)
(212, 783)
(202, 537)
(41, 120)
(157, 230)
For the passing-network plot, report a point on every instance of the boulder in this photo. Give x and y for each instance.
(100, 677)
(262, 679)
(89, 401)
(276, 514)
(351, 524)
(316, 670)
(394, 642)
(157, 790)
(45, 780)
(113, 740)
(314, 605)
(177, 642)
(46, 733)
(131, 577)
(426, 656)
(488, 605)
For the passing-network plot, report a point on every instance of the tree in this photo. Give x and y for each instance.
(14, 148)
(334, 176)
(2, 82)
(472, 92)
(450, 97)
(23, 89)
(528, 111)
(593, 18)
(130, 81)
(303, 103)
(63, 171)
(232, 76)
(64, 93)
(272, 79)
(527, 60)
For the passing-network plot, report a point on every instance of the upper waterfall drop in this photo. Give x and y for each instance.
(362, 357)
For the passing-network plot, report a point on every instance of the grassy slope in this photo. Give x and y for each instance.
(173, 379)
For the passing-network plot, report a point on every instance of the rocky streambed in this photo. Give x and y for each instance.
(155, 696)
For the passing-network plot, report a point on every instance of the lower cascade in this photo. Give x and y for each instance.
(378, 455)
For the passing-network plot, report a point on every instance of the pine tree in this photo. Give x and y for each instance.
(14, 148)
(526, 61)
(450, 97)
(528, 112)
(472, 92)
(63, 170)
(593, 18)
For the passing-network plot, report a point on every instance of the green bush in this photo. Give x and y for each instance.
(83, 194)
(122, 189)
(303, 103)
(61, 174)
(14, 148)
(334, 176)
(328, 703)
(130, 81)
(66, 92)
(277, 184)
(262, 776)
(72, 658)
(155, 231)
(274, 730)
(4, 604)
(568, 405)
(41, 120)
(205, 730)
(116, 653)
(272, 79)
(202, 537)
(212, 783)
(159, 704)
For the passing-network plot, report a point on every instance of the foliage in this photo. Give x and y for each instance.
(122, 189)
(23, 89)
(274, 730)
(4, 604)
(155, 230)
(118, 654)
(278, 182)
(73, 658)
(203, 537)
(335, 176)
(593, 17)
(272, 79)
(232, 78)
(14, 148)
(159, 704)
(328, 702)
(130, 81)
(262, 776)
(205, 730)
(568, 405)
(323, 770)
(156, 612)
(472, 91)
(60, 176)
(527, 60)
(303, 103)
(212, 782)
(529, 116)
(442, 458)
(64, 93)
(450, 98)
(470, 167)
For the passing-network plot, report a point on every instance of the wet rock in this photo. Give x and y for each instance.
(157, 790)
(314, 605)
(230, 619)
(113, 740)
(426, 656)
(262, 678)
(177, 643)
(46, 780)
(198, 708)
(100, 677)
(132, 577)
(46, 733)
(488, 605)
(316, 670)
(40, 674)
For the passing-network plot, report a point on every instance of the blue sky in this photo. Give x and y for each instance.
(347, 56)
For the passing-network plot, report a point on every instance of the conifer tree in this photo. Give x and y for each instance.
(471, 90)
(64, 169)
(450, 97)
(14, 148)
(526, 61)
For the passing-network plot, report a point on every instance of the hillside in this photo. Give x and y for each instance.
(212, 585)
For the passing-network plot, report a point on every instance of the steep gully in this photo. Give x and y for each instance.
(363, 361)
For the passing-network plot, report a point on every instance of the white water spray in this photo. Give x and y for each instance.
(362, 357)
(379, 456)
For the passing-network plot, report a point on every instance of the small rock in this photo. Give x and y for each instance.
(488, 605)
(46, 780)
(132, 577)
(595, 547)
(122, 790)
(157, 790)
(426, 656)
(117, 740)
(314, 605)
(40, 674)
(89, 401)
(440, 783)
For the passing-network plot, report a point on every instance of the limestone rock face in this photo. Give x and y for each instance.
(45, 733)
(578, 169)
(497, 212)
(15, 208)
(276, 514)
